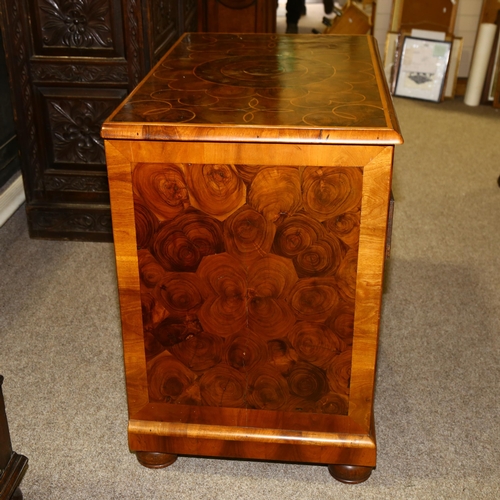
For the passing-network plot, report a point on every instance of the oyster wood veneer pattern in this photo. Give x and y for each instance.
(236, 279)
(250, 179)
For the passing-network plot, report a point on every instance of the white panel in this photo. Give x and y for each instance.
(466, 27)
(382, 22)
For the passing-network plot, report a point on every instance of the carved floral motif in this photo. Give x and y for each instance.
(71, 220)
(132, 42)
(76, 129)
(79, 73)
(25, 116)
(93, 184)
(76, 23)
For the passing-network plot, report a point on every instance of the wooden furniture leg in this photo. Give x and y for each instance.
(350, 474)
(12, 465)
(154, 460)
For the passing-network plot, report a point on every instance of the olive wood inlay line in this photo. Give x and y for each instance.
(265, 88)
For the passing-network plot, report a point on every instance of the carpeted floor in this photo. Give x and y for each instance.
(437, 402)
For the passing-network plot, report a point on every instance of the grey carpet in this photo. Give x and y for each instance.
(437, 401)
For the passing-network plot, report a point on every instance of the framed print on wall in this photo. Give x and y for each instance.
(422, 69)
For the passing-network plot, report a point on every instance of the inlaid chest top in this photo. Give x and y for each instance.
(270, 88)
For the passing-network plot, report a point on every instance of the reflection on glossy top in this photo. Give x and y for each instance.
(283, 81)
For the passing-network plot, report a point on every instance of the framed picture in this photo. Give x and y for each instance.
(453, 66)
(491, 81)
(422, 69)
(390, 51)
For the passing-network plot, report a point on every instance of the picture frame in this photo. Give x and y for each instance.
(453, 67)
(422, 68)
(491, 81)
(390, 56)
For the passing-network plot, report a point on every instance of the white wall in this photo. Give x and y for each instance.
(465, 26)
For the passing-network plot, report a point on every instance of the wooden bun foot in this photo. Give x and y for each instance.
(350, 474)
(154, 460)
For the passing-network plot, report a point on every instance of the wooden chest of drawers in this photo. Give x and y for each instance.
(250, 181)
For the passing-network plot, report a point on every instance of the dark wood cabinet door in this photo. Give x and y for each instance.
(9, 159)
(71, 63)
(237, 16)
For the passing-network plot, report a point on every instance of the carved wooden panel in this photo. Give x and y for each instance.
(70, 63)
(9, 156)
(74, 72)
(165, 27)
(189, 12)
(63, 219)
(73, 120)
(248, 279)
(82, 26)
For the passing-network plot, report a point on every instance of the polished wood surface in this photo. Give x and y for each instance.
(314, 89)
(250, 265)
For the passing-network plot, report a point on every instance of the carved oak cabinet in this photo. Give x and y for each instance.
(250, 185)
(71, 62)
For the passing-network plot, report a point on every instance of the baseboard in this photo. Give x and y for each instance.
(11, 198)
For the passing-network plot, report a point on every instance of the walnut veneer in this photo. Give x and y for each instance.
(250, 185)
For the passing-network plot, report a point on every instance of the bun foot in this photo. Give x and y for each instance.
(155, 460)
(350, 474)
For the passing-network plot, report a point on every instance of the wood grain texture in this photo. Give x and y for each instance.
(246, 434)
(171, 332)
(250, 16)
(196, 332)
(122, 209)
(215, 310)
(316, 89)
(375, 205)
(216, 442)
(250, 251)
